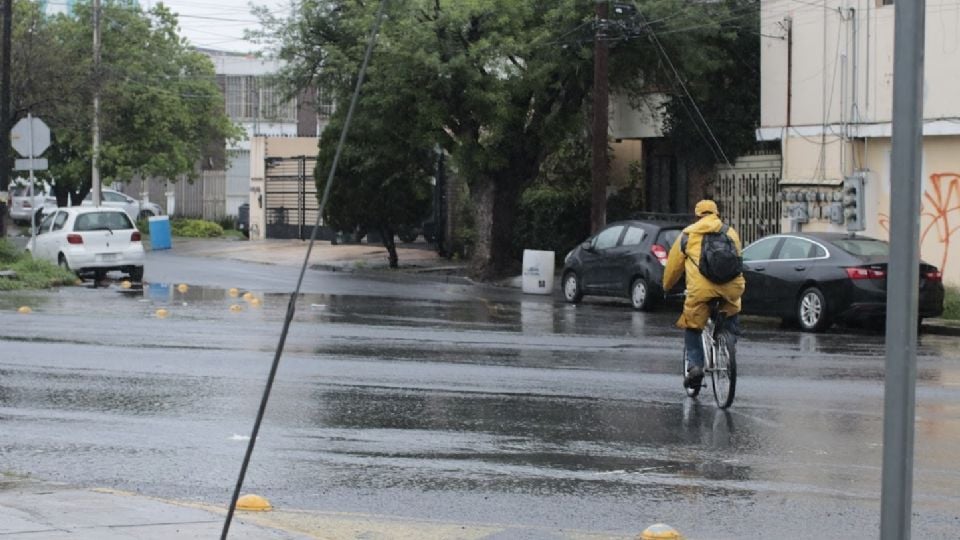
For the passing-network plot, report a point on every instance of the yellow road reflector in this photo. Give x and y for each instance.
(183, 287)
(236, 308)
(660, 531)
(125, 284)
(162, 313)
(248, 296)
(255, 302)
(233, 292)
(24, 310)
(253, 503)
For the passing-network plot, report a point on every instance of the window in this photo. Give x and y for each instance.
(634, 236)
(98, 221)
(608, 237)
(256, 98)
(761, 250)
(59, 221)
(863, 246)
(114, 197)
(45, 224)
(794, 249)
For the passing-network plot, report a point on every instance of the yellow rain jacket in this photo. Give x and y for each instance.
(701, 290)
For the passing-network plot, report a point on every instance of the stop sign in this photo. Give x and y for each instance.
(30, 134)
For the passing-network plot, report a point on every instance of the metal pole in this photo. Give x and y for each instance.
(904, 270)
(95, 160)
(33, 218)
(601, 99)
(5, 39)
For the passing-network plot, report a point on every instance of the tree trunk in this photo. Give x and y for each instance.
(386, 234)
(496, 208)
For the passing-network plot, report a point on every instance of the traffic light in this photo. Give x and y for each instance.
(853, 205)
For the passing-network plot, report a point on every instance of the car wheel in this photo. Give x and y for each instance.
(136, 273)
(812, 311)
(571, 288)
(640, 295)
(407, 235)
(62, 263)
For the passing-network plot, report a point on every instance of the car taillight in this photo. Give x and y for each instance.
(933, 275)
(135, 236)
(860, 272)
(659, 253)
(74, 239)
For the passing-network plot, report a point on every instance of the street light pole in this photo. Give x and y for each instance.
(95, 160)
(7, 32)
(601, 98)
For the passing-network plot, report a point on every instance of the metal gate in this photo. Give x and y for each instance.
(290, 197)
(748, 196)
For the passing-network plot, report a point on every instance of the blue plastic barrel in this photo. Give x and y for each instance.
(160, 232)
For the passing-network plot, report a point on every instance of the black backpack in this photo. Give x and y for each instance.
(719, 261)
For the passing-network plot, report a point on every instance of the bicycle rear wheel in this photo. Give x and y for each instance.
(724, 372)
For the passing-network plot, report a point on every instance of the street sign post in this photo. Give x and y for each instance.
(30, 138)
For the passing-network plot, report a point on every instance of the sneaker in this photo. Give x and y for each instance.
(694, 377)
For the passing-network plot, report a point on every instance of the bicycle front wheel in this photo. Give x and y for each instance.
(724, 372)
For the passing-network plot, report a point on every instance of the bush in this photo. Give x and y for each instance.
(951, 304)
(196, 228)
(31, 274)
(552, 219)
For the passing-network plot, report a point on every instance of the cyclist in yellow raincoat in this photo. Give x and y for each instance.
(700, 290)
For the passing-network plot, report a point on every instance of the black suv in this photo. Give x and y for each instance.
(625, 259)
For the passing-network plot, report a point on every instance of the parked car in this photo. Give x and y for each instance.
(90, 240)
(23, 207)
(134, 208)
(816, 279)
(625, 259)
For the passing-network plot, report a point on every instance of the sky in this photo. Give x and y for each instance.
(219, 24)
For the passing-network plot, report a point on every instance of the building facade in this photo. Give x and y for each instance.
(827, 97)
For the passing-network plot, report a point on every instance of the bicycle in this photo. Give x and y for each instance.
(720, 358)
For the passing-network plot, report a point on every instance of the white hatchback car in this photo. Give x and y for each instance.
(85, 240)
(134, 208)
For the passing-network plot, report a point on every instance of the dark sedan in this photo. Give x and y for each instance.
(816, 279)
(625, 259)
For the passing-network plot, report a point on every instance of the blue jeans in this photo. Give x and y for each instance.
(694, 345)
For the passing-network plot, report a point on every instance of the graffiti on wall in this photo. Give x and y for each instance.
(940, 208)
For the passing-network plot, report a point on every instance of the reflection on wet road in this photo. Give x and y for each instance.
(460, 403)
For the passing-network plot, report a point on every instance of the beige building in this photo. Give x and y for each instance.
(827, 95)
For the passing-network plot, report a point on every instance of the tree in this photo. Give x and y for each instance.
(161, 106)
(500, 84)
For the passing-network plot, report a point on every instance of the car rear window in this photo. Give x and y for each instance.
(864, 247)
(96, 221)
(667, 237)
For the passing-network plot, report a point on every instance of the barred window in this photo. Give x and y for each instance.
(255, 98)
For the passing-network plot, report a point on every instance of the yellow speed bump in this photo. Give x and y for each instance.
(253, 503)
(660, 531)
(183, 287)
(24, 310)
(248, 296)
(162, 313)
(233, 292)
(255, 302)
(125, 284)
(236, 308)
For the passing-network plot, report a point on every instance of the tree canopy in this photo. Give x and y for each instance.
(160, 104)
(499, 84)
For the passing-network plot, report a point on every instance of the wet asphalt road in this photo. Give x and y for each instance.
(444, 401)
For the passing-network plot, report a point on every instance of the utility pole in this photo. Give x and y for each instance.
(95, 161)
(5, 112)
(601, 98)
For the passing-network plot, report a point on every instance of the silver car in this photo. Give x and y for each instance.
(134, 208)
(90, 240)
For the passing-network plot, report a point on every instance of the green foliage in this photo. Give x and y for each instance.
(629, 200)
(160, 104)
(951, 304)
(552, 219)
(30, 273)
(195, 228)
